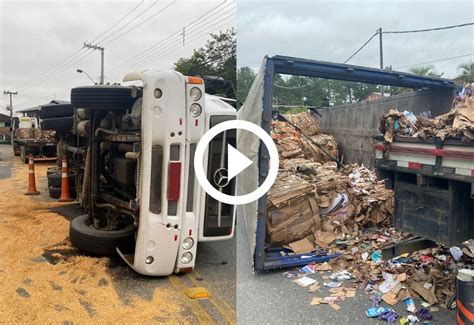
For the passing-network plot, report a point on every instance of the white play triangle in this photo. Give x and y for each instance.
(237, 162)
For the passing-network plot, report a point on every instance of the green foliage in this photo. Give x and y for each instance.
(426, 70)
(467, 73)
(216, 58)
(245, 78)
(290, 90)
(292, 110)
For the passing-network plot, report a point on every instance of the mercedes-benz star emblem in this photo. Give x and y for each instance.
(221, 178)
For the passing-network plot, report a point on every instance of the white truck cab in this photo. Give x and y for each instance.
(172, 213)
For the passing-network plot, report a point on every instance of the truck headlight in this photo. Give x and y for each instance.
(186, 258)
(149, 260)
(195, 110)
(188, 243)
(195, 93)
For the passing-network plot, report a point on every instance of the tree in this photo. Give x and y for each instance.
(426, 70)
(245, 78)
(467, 73)
(217, 58)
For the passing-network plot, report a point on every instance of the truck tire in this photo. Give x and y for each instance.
(99, 242)
(59, 110)
(55, 192)
(54, 179)
(103, 97)
(58, 123)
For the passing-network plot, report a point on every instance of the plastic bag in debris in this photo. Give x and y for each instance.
(410, 116)
(376, 256)
(339, 202)
(456, 252)
(389, 317)
(376, 311)
(466, 90)
(341, 276)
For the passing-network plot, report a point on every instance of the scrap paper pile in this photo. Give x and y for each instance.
(458, 123)
(312, 197)
(426, 276)
(34, 133)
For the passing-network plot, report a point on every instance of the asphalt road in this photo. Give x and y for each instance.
(269, 297)
(215, 269)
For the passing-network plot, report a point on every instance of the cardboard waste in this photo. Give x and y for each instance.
(312, 197)
(314, 206)
(35, 134)
(458, 123)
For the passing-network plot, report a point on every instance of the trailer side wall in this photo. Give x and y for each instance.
(354, 125)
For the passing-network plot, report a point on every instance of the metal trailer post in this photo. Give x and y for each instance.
(102, 77)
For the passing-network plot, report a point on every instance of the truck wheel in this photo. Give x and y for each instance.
(58, 123)
(99, 242)
(54, 179)
(56, 110)
(55, 192)
(103, 97)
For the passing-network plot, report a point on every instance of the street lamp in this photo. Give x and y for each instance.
(82, 71)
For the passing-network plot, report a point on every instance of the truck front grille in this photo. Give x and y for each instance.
(190, 195)
(216, 210)
(155, 181)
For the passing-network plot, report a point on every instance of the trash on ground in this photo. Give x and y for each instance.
(305, 281)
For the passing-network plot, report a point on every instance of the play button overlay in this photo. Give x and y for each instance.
(237, 163)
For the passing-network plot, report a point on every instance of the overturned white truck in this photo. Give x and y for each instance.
(133, 153)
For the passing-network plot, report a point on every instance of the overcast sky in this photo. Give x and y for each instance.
(332, 31)
(39, 35)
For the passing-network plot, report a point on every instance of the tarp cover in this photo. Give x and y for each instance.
(249, 144)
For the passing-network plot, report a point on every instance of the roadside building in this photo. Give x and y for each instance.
(5, 131)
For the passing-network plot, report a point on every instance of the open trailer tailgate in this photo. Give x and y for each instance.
(433, 181)
(258, 110)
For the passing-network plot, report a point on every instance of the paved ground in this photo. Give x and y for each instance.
(44, 279)
(269, 297)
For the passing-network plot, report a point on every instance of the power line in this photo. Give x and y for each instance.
(427, 30)
(193, 39)
(119, 21)
(131, 21)
(360, 48)
(173, 45)
(139, 24)
(52, 73)
(405, 32)
(50, 69)
(54, 70)
(171, 48)
(169, 41)
(143, 54)
(168, 50)
(439, 60)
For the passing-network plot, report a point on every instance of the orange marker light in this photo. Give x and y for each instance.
(194, 80)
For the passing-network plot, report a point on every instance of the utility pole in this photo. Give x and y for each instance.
(379, 31)
(10, 93)
(101, 49)
(184, 33)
